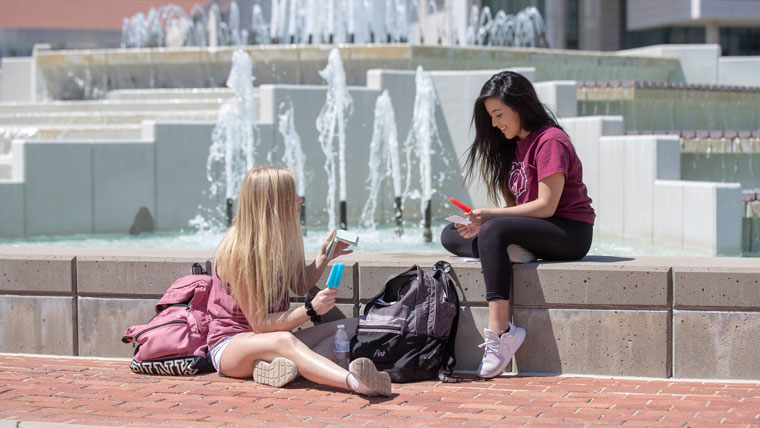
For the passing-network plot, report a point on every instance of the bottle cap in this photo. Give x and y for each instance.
(340, 326)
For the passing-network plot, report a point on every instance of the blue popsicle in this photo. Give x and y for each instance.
(336, 275)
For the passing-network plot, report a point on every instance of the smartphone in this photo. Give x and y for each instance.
(341, 235)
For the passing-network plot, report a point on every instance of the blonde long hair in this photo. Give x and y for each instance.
(261, 256)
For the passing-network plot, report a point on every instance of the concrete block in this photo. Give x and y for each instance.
(738, 71)
(32, 273)
(584, 133)
(716, 287)
(349, 286)
(604, 342)
(472, 321)
(716, 345)
(728, 233)
(124, 181)
(17, 79)
(131, 275)
(59, 187)
(712, 217)
(102, 322)
(668, 214)
(610, 214)
(636, 199)
(586, 284)
(699, 63)
(560, 96)
(12, 214)
(37, 325)
(180, 159)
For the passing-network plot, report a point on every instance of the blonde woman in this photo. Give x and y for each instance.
(259, 261)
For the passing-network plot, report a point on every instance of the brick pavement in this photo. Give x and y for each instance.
(104, 392)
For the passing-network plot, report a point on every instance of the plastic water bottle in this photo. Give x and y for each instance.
(342, 348)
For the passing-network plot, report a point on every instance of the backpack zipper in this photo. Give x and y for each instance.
(197, 322)
(382, 328)
(157, 326)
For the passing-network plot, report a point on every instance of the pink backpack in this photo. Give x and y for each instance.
(173, 342)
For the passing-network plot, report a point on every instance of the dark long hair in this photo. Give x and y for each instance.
(491, 151)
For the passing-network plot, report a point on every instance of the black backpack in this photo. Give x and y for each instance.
(409, 329)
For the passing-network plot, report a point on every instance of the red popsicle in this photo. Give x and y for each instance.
(461, 206)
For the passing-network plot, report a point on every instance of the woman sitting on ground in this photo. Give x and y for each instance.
(260, 260)
(525, 157)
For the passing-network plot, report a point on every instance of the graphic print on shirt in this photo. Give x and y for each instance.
(518, 180)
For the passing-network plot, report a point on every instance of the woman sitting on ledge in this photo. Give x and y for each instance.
(525, 157)
(259, 260)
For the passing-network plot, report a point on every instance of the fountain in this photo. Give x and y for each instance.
(331, 124)
(419, 142)
(336, 21)
(383, 162)
(261, 34)
(234, 141)
(294, 156)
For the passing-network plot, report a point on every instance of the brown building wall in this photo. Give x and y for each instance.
(77, 14)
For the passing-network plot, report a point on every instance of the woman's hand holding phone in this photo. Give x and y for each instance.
(339, 250)
(478, 216)
(467, 230)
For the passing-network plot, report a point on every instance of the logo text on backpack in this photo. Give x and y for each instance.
(175, 367)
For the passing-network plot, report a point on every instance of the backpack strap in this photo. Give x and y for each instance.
(446, 374)
(373, 301)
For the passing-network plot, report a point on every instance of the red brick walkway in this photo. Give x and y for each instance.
(105, 392)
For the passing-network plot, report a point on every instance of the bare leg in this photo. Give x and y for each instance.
(243, 350)
(498, 315)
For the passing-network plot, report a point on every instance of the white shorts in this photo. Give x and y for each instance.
(216, 351)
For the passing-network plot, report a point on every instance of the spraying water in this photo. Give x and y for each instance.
(331, 123)
(419, 142)
(236, 33)
(234, 139)
(294, 156)
(383, 157)
(260, 27)
(315, 21)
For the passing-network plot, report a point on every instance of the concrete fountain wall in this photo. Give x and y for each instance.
(655, 317)
(91, 73)
(102, 185)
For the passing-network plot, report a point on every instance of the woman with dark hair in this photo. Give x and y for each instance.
(525, 157)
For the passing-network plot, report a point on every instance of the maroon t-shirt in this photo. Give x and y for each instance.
(547, 151)
(227, 318)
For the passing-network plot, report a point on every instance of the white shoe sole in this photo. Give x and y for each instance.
(520, 340)
(277, 373)
(366, 372)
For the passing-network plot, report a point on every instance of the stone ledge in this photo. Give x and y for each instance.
(601, 315)
(716, 287)
(716, 344)
(48, 273)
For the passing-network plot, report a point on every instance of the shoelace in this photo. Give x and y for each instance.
(492, 346)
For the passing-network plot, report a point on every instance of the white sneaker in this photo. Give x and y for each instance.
(499, 350)
(277, 373)
(371, 381)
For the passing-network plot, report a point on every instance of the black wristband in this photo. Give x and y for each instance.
(316, 319)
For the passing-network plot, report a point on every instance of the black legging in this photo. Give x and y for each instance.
(548, 238)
